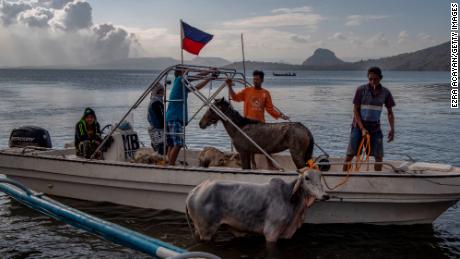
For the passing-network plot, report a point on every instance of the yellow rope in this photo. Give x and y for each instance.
(312, 165)
(344, 180)
(363, 155)
(360, 158)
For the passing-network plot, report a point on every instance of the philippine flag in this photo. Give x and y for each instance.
(193, 40)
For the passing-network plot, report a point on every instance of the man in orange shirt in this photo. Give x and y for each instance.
(256, 99)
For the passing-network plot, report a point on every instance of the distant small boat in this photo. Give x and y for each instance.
(284, 74)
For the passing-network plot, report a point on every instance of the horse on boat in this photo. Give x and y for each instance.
(272, 137)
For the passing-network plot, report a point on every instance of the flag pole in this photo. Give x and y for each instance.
(244, 61)
(181, 43)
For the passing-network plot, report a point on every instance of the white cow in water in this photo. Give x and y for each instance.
(275, 209)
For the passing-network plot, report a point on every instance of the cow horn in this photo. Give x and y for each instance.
(297, 185)
(303, 170)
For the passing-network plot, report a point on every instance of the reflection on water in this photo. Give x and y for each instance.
(425, 129)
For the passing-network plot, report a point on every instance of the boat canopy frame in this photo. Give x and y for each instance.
(202, 73)
(213, 74)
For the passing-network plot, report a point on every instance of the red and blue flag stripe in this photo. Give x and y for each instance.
(193, 39)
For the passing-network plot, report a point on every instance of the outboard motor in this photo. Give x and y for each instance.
(30, 136)
(323, 161)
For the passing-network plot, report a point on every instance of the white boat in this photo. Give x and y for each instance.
(402, 193)
(414, 196)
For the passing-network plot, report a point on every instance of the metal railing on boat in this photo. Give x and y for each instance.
(207, 101)
(217, 74)
(214, 74)
(105, 229)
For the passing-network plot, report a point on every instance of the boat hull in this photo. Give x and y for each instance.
(374, 198)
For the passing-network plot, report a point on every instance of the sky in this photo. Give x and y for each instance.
(79, 32)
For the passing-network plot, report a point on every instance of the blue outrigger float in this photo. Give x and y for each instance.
(107, 230)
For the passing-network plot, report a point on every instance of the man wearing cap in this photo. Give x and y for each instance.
(155, 117)
(367, 107)
(177, 112)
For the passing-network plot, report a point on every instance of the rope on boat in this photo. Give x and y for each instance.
(105, 229)
(364, 152)
(363, 155)
(345, 180)
(311, 164)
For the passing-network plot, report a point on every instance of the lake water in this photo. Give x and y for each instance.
(426, 129)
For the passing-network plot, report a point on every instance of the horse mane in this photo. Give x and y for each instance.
(236, 117)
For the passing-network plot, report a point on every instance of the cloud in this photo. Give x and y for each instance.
(265, 44)
(37, 17)
(300, 39)
(10, 10)
(403, 37)
(56, 32)
(303, 9)
(75, 15)
(278, 20)
(266, 36)
(425, 37)
(339, 36)
(54, 4)
(355, 42)
(378, 40)
(112, 42)
(355, 20)
(346, 37)
(301, 16)
(158, 42)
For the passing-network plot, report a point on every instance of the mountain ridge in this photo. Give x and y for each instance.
(323, 57)
(435, 58)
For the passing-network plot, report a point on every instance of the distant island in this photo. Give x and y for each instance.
(435, 58)
(323, 57)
